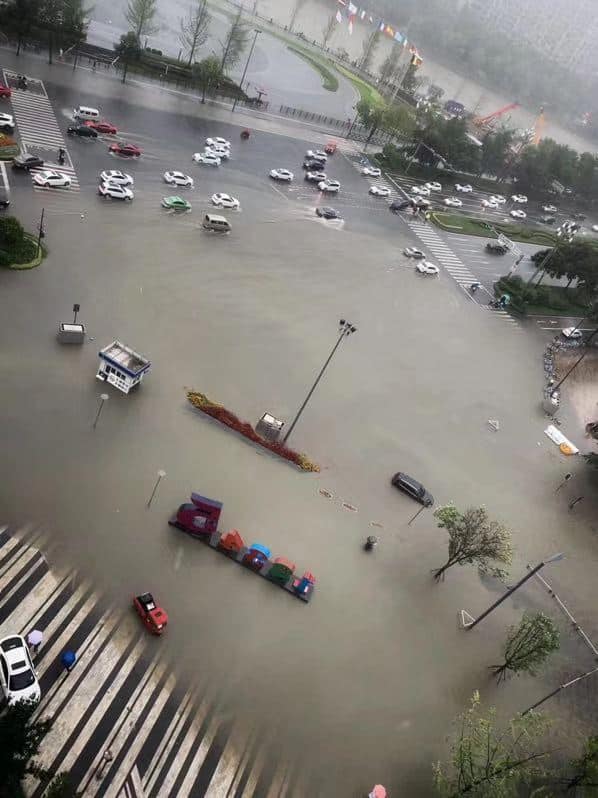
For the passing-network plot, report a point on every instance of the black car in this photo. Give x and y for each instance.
(495, 248)
(328, 213)
(548, 219)
(313, 164)
(581, 217)
(27, 161)
(400, 205)
(83, 131)
(413, 488)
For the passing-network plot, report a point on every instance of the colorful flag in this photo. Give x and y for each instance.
(398, 37)
(390, 31)
(339, 16)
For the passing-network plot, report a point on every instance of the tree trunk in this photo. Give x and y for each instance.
(125, 70)
(542, 276)
(439, 572)
(50, 47)
(19, 43)
(371, 133)
(203, 92)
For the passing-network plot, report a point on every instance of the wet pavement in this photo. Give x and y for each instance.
(362, 683)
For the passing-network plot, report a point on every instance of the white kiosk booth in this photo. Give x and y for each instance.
(121, 366)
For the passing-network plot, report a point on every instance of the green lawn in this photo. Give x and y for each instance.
(329, 80)
(366, 90)
(455, 223)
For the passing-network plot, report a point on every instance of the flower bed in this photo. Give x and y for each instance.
(224, 416)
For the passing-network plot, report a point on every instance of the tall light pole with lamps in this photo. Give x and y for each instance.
(345, 329)
(256, 32)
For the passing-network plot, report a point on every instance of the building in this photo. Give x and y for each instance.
(566, 31)
(121, 366)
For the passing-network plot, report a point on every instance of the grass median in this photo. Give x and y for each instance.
(466, 225)
(366, 91)
(329, 80)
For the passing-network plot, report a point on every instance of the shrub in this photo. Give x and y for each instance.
(11, 231)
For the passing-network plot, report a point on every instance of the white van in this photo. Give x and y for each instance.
(217, 223)
(85, 112)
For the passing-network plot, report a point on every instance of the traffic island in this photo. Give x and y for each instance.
(466, 225)
(218, 412)
(26, 256)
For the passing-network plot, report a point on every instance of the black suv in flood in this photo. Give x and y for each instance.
(83, 131)
(413, 488)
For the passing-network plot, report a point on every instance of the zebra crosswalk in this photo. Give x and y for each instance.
(124, 725)
(38, 128)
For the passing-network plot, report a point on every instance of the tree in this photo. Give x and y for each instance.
(64, 22)
(411, 82)
(61, 786)
(585, 768)
(235, 44)
(140, 16)
(20, 17)
(296, 9)
(474, 538)
(379, 114)
(370, 45)
(575, 260)
(194, 29)
(328, 30)
(208, 74)
(20, 739)
(488, 762)
(128, 50)
(495, 151)
(390, 65)
(528, 645)
(11, 231)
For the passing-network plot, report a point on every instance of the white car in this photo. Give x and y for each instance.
(178, 179)
(549, 209)
(119, 178)
(218, 141)
(421, 203)
(517, 214)
(491, 203)
(595, 228)
(499, 199)
(425, 267)
(371, 171)
(380, 191)
(433, 186)
(114, 191)
(208, 158)
(315, 177)
(7, 122)
(222, 152)
(51, 179)
(413, 252)
(319, 155)
(520, 198)
(17, 674)
(281, 174)
(225, 201)
(465, 189)
(572, 333)
(453, 202)
(329, 186)
(422, 191)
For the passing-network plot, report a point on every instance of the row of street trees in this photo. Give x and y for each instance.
(58, 23)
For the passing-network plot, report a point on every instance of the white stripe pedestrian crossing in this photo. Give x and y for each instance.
(37, 126)
(116, 694)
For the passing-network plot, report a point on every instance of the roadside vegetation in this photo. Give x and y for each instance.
(329, 80)
(467, 225)
(367, 92)
(18, 249)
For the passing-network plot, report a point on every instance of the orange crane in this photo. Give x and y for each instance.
(487, 122)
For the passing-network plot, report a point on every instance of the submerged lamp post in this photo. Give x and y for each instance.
(103, 398)
(345, 329)
(256, 32)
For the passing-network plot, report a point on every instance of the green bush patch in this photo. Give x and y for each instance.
(454, 222)
(555, 300)
(329, 80)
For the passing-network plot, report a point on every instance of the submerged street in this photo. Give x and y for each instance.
(363, 683)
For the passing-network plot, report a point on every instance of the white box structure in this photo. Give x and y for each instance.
(121, 366)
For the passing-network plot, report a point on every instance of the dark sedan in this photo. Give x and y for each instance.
(400, 205)
(82, 130)
(413, 488)
(328, 213)
(27, 161)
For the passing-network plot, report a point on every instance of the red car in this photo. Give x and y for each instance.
(101, 127)
(127, 150)
(5, 91)
(153, 616)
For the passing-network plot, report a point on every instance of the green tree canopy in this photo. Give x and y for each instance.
(128, 50)
(194, 29)
(528, 645)
(140, 15)
(474, 539)
(20, 739)
(490, 762)
(208, 74)
(235, 42)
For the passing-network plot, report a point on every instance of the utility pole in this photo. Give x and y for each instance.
(256, 32)
(576, 364)
(345, 329)
(41, 233)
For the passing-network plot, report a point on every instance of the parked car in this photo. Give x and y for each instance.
(400, 205)
(413, 252)
(413, 488)
(549, 209)
(315, 177)
(453, 202)
(329, 186)
(490, 203)
(101, 127)
(465, 188)
(572, 333)
(114, 176)
(371, 171)
(282, 174)
(517, 214)
(495, 248)
(126, 150)
(208, 158)
(328, 213)
(114, 191)
(48, 178)
(434, 186)
(520, 198)
(176, 204)
(5, 92)
(7, 123)
(425, 267)
(379, 191)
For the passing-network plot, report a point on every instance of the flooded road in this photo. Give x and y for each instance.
(363, 683)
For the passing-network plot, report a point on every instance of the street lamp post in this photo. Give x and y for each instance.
(469, 624)
(576, 364)
(41, 232)
(256, 32)
(561, 687)
(161, 475)
(345, 329)
(103, 398)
